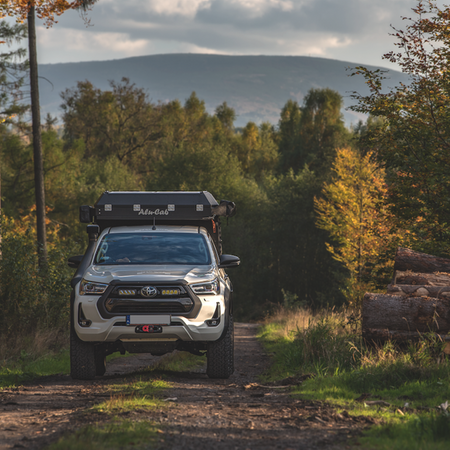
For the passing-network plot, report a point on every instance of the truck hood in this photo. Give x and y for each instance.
(147, 273)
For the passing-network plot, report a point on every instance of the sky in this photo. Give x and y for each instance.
(349, 30)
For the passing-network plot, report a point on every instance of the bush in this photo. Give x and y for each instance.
(32, 299)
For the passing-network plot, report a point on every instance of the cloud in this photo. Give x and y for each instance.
(187, 8)
(345, 29)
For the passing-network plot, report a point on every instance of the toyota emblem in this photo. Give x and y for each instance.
(148, 291)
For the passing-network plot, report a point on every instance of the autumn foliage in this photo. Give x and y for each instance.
(413, 143)
(47, 10)
(353, 209)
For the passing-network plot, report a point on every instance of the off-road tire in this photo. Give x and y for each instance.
(100, 360)
(82, 358)
(220, 355)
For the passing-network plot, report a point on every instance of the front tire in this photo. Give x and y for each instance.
(82, 358)
(220, 355)
(100, 360)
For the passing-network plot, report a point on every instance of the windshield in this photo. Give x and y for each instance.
(154, 248)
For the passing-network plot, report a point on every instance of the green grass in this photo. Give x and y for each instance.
(413, 379)
(25, 368)
(428, 431)
(178, 362)
(130, 395)
(118, 434)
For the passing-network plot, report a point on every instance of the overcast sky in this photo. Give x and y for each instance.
(350, 30)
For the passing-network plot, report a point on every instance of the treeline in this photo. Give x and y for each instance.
(119, 140)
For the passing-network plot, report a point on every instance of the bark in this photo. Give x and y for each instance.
(426, 279)
(376, 334)
(406, 259)
(397, 313)
(37, 142)
(442, 292)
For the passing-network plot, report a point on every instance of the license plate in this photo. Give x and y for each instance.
(148, 320)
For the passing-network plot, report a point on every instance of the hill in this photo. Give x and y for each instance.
(257, 87)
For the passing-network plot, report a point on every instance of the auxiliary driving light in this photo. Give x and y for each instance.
(127, 291)
(170, 292)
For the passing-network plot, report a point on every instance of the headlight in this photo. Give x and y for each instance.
(90, 288)
(211, 287)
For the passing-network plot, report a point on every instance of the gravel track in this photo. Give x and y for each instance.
(233, 414)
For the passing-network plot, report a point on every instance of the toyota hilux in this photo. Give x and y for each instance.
(152, 280)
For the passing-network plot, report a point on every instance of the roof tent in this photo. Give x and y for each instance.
(163, 208)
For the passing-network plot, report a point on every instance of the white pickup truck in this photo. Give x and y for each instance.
(152, 280)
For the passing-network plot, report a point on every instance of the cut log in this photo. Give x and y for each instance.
(419, 290)
(414, 278)
(375, 334)
(406, 259)
(395, 313)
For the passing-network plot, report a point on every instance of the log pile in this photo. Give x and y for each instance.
(417, 301)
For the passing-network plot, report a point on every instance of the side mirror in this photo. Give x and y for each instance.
(75, 261)
(229, 261)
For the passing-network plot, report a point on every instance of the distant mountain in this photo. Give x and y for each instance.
(257, 87)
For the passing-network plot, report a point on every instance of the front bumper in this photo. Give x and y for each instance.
(184, 327)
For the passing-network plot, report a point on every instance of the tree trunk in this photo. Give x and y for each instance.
(395, 313)
(427, 279)
(419, 290)
(406, 259)
(37, 142)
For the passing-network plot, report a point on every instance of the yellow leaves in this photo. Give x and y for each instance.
(27, 224)
(353, 211)
(45, 9)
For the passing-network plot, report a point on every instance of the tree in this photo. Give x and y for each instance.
(310, 136)
(226, 115)
(120, 122)
(353, 211)
(46, 10)
(257, 152)
(12, 71)
(288, 132)
(413, 141)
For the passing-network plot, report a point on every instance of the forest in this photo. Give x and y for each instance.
(321, 207)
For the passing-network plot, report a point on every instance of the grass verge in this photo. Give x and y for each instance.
(409, 384)
(26, 368)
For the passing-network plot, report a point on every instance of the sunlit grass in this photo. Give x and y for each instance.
(130, 395)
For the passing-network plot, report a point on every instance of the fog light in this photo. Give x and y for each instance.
(82, 321)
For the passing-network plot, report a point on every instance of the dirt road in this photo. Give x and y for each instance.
(237, 413)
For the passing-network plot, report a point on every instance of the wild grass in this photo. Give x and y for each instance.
(118, 434)
(139, 393)
(178, 362)
(26, 357)
(412, 380)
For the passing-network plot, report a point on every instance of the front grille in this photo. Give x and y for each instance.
(128, 299)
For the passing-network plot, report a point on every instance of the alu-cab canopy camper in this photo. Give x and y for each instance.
(119, 208)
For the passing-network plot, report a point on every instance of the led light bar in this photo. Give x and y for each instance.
(127, 291)
(170, 292)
